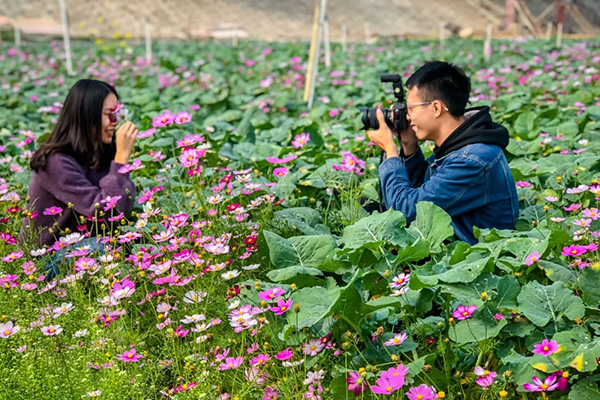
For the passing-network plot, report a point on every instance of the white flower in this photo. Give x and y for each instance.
(192, 297)
(81, 333)
(231, 274)
(193, 318)
(251, 267)
(233, 305)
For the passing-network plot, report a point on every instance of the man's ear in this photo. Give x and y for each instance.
(437, 108)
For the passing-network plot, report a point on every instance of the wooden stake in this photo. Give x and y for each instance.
(549, 30)
(487, 45)
(559, 32)
(66, 38)
(327, 44)
(148, 42)
(17, 35)
(313, 77)
(313, 43)
(344, 38)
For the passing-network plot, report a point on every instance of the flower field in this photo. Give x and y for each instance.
(248, 268)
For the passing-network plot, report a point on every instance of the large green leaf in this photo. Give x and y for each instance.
(544, 303)
(305, 219)
(558, 271)
(302, 251)
(586, 389)
(463, 271)
(432, 225)
(387, 227)
(315, 304)
(589, 283)
(507, 292)
(475, 330)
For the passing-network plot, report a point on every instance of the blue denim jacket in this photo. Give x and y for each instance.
(473, 184)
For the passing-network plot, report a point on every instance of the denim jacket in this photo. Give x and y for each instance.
(473, 184)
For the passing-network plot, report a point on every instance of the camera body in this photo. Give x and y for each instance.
(398, 123)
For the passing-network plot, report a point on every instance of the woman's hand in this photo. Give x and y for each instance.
(126, 136)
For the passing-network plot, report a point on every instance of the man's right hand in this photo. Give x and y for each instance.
(409, 141)
(125, 141)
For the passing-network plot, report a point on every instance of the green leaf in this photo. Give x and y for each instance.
(305, 219)
(376, 229)
(469, 331)
(589, 283)
(315, 304)
(290, 274)
(540, 304)
(463, 271)
(432, 224)
(525, 123)
(586, 389)
(303, 251)
(558, 271)
(508, 290)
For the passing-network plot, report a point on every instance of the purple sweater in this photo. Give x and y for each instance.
(65, 181)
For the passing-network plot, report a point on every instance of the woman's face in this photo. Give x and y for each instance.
(109, 123)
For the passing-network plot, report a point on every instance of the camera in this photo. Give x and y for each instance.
(398, 122)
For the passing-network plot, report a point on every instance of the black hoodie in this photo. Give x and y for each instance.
(478, 128)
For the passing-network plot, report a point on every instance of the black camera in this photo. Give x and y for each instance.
(398, 122)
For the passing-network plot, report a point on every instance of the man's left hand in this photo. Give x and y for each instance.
(383, 137)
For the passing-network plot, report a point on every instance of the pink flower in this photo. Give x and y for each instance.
(386, 386)
(182, 117)
(591, 213)
(498, 317)
(53, 211)
(396, 375)
(123, 289)
(271, 294)
(231, 363)
(260, 359)
(270, 394)
(400, 280)
(549, 384)
(572, 207)
(286, 159)
(562, 379)
(533, 257)
(350, 164)
(301, 140)
(15, 255)
(282, 306)
(313, 347)
(421, 392)
(8, 329)
(356, 383)
(285, 355)
(573, 250)
(464, 312)
(397, 340)
(523, 184)
(546, 347)
(485, 378)
(129, 356)
(51, 330)
(162, 120)
(181, 333)
(280, 172)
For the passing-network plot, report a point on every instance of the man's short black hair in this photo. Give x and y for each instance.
(439, 80)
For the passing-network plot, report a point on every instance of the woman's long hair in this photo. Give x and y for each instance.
(78, 131)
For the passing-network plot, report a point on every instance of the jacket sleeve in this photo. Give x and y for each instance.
(66, 180)
(459, 186)
(416, 167)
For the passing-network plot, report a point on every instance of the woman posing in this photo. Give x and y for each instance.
(76, 183)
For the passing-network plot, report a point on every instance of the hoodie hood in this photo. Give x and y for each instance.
(478, 128)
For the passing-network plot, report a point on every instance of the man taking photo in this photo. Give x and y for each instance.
(467, 175)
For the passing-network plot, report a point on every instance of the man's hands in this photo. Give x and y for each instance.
(126, 136)
(384, 138)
